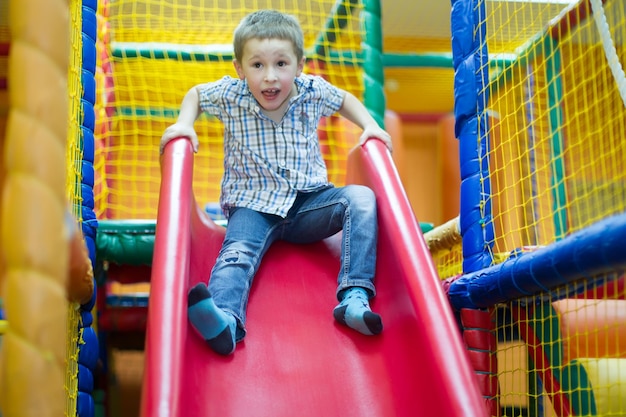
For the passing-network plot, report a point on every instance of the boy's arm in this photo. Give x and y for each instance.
(353, 110)
(189, 112)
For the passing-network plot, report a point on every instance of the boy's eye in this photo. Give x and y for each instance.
(256, 65)
(282, 63)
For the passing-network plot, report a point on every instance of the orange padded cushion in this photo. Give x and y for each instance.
(592, 328)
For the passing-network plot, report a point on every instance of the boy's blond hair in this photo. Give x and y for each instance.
(269, 24)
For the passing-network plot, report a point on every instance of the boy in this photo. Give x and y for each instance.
(275, 183)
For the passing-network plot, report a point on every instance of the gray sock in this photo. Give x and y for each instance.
(215, 325)
(354, 311)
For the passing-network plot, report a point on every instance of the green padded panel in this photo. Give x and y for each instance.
(125, 242)
(131, 242)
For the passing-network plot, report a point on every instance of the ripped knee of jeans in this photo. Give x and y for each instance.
(230, 256)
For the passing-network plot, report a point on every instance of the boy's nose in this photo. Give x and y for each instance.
(270, 75)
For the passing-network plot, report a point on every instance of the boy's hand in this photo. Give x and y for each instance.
(376, 132)
(178, 130)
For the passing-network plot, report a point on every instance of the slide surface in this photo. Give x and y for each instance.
(296, 360)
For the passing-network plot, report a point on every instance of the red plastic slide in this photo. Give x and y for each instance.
(296, 361)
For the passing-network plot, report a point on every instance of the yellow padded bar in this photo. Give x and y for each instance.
(34, 231)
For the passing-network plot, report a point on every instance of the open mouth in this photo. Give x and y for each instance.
(271, 93)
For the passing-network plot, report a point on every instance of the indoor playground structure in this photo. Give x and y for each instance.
(535, 258)
(509, 299)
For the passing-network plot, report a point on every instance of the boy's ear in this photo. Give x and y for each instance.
(301, 66)
(239, 70)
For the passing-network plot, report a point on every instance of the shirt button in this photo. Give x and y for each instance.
(279, 130)
(282, 164)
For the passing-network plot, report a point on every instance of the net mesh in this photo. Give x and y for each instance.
(152, 52)
(555, 126)
(557, 160)
(74, 161)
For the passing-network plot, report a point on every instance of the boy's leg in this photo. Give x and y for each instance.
(352, 209)
(213, 310)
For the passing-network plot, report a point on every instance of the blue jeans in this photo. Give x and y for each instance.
(314, 216)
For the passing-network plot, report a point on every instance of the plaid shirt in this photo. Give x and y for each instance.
(267, 163)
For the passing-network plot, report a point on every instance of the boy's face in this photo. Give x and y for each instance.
(270, 67)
